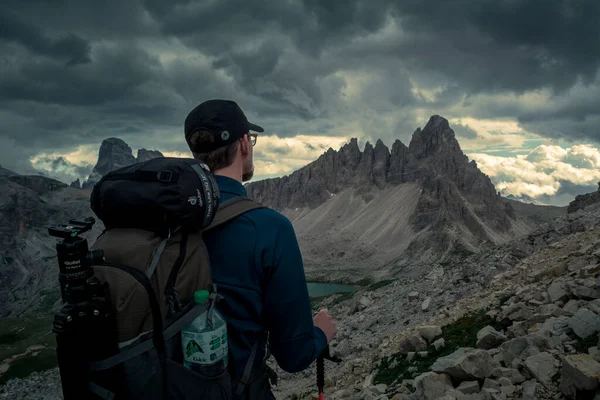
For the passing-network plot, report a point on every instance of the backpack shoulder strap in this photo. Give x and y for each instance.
(232, 208)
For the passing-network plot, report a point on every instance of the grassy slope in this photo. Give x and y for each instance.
(19, 337)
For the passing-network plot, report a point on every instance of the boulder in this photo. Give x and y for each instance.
(580, 376)
(438, 344)
(515, 312)
(430, 386)
(522, 328)
(412, 344)
(572, 306)
(586, 293)
(558, 291)
(430, 332)
(513, 375)
(425, 304)
(467, 364)
(555, 326)
(542, 367)
(488, 338)
(530, 389)
(363, 303)
(490, 383)
(585, 323)
(468, 387)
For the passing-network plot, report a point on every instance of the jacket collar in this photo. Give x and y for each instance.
(229, 185)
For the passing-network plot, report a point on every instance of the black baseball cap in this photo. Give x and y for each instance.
(224, 118)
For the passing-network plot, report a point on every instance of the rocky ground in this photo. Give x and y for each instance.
(518, 321)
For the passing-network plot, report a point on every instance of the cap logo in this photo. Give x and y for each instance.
(225, 135)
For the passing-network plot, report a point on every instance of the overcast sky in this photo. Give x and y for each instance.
(518, 80)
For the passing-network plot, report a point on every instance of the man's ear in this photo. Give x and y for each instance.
(244, 145)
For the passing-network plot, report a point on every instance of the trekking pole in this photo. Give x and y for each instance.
(321, 377)
(321, 370)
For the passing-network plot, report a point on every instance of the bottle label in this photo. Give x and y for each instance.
(205, 348)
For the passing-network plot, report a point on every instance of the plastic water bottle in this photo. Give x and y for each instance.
(205, 348)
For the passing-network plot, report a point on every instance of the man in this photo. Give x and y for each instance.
(255, 259)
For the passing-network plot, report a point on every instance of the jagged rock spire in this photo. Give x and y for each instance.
(114, 153)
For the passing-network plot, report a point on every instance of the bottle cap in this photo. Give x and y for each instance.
(201, 296)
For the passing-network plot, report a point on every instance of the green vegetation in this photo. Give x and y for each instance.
(344, 297)
(461, 333)
(18, 336)
(363, 282)
(315, 301)
(380, 284)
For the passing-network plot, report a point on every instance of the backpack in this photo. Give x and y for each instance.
(155, 214)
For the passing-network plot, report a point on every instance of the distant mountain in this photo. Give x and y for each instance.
(6, 172)
(114, 153)
(584, 200)
(28, 265)
(383, 211)
(38, 183)
(525, 199)
(538, 213)
(145, 155)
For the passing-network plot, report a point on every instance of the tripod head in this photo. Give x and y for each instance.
(74, 258)
(73, 228)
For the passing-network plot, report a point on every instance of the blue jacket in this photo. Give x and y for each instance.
(257, 267)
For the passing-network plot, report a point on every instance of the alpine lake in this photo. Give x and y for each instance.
(317, 289)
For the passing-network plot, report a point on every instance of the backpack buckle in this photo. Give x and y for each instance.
(174, 301)
(164, 176)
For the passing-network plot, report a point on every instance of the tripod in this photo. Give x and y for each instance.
(85, 326)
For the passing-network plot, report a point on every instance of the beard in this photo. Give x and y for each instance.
(248, 173)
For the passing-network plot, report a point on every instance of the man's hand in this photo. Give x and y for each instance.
(325, 321)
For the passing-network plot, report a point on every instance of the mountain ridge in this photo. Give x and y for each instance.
(456, 209)
(374, 213)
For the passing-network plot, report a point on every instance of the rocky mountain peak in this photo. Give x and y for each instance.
(114, 153)
(145, 155)
(437, 137)
(433, 153)
(381, 163)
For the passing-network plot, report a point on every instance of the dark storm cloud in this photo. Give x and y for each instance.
(70, 48)
(496, 45)
(311, 25)
(75, 72)
(111, 77)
